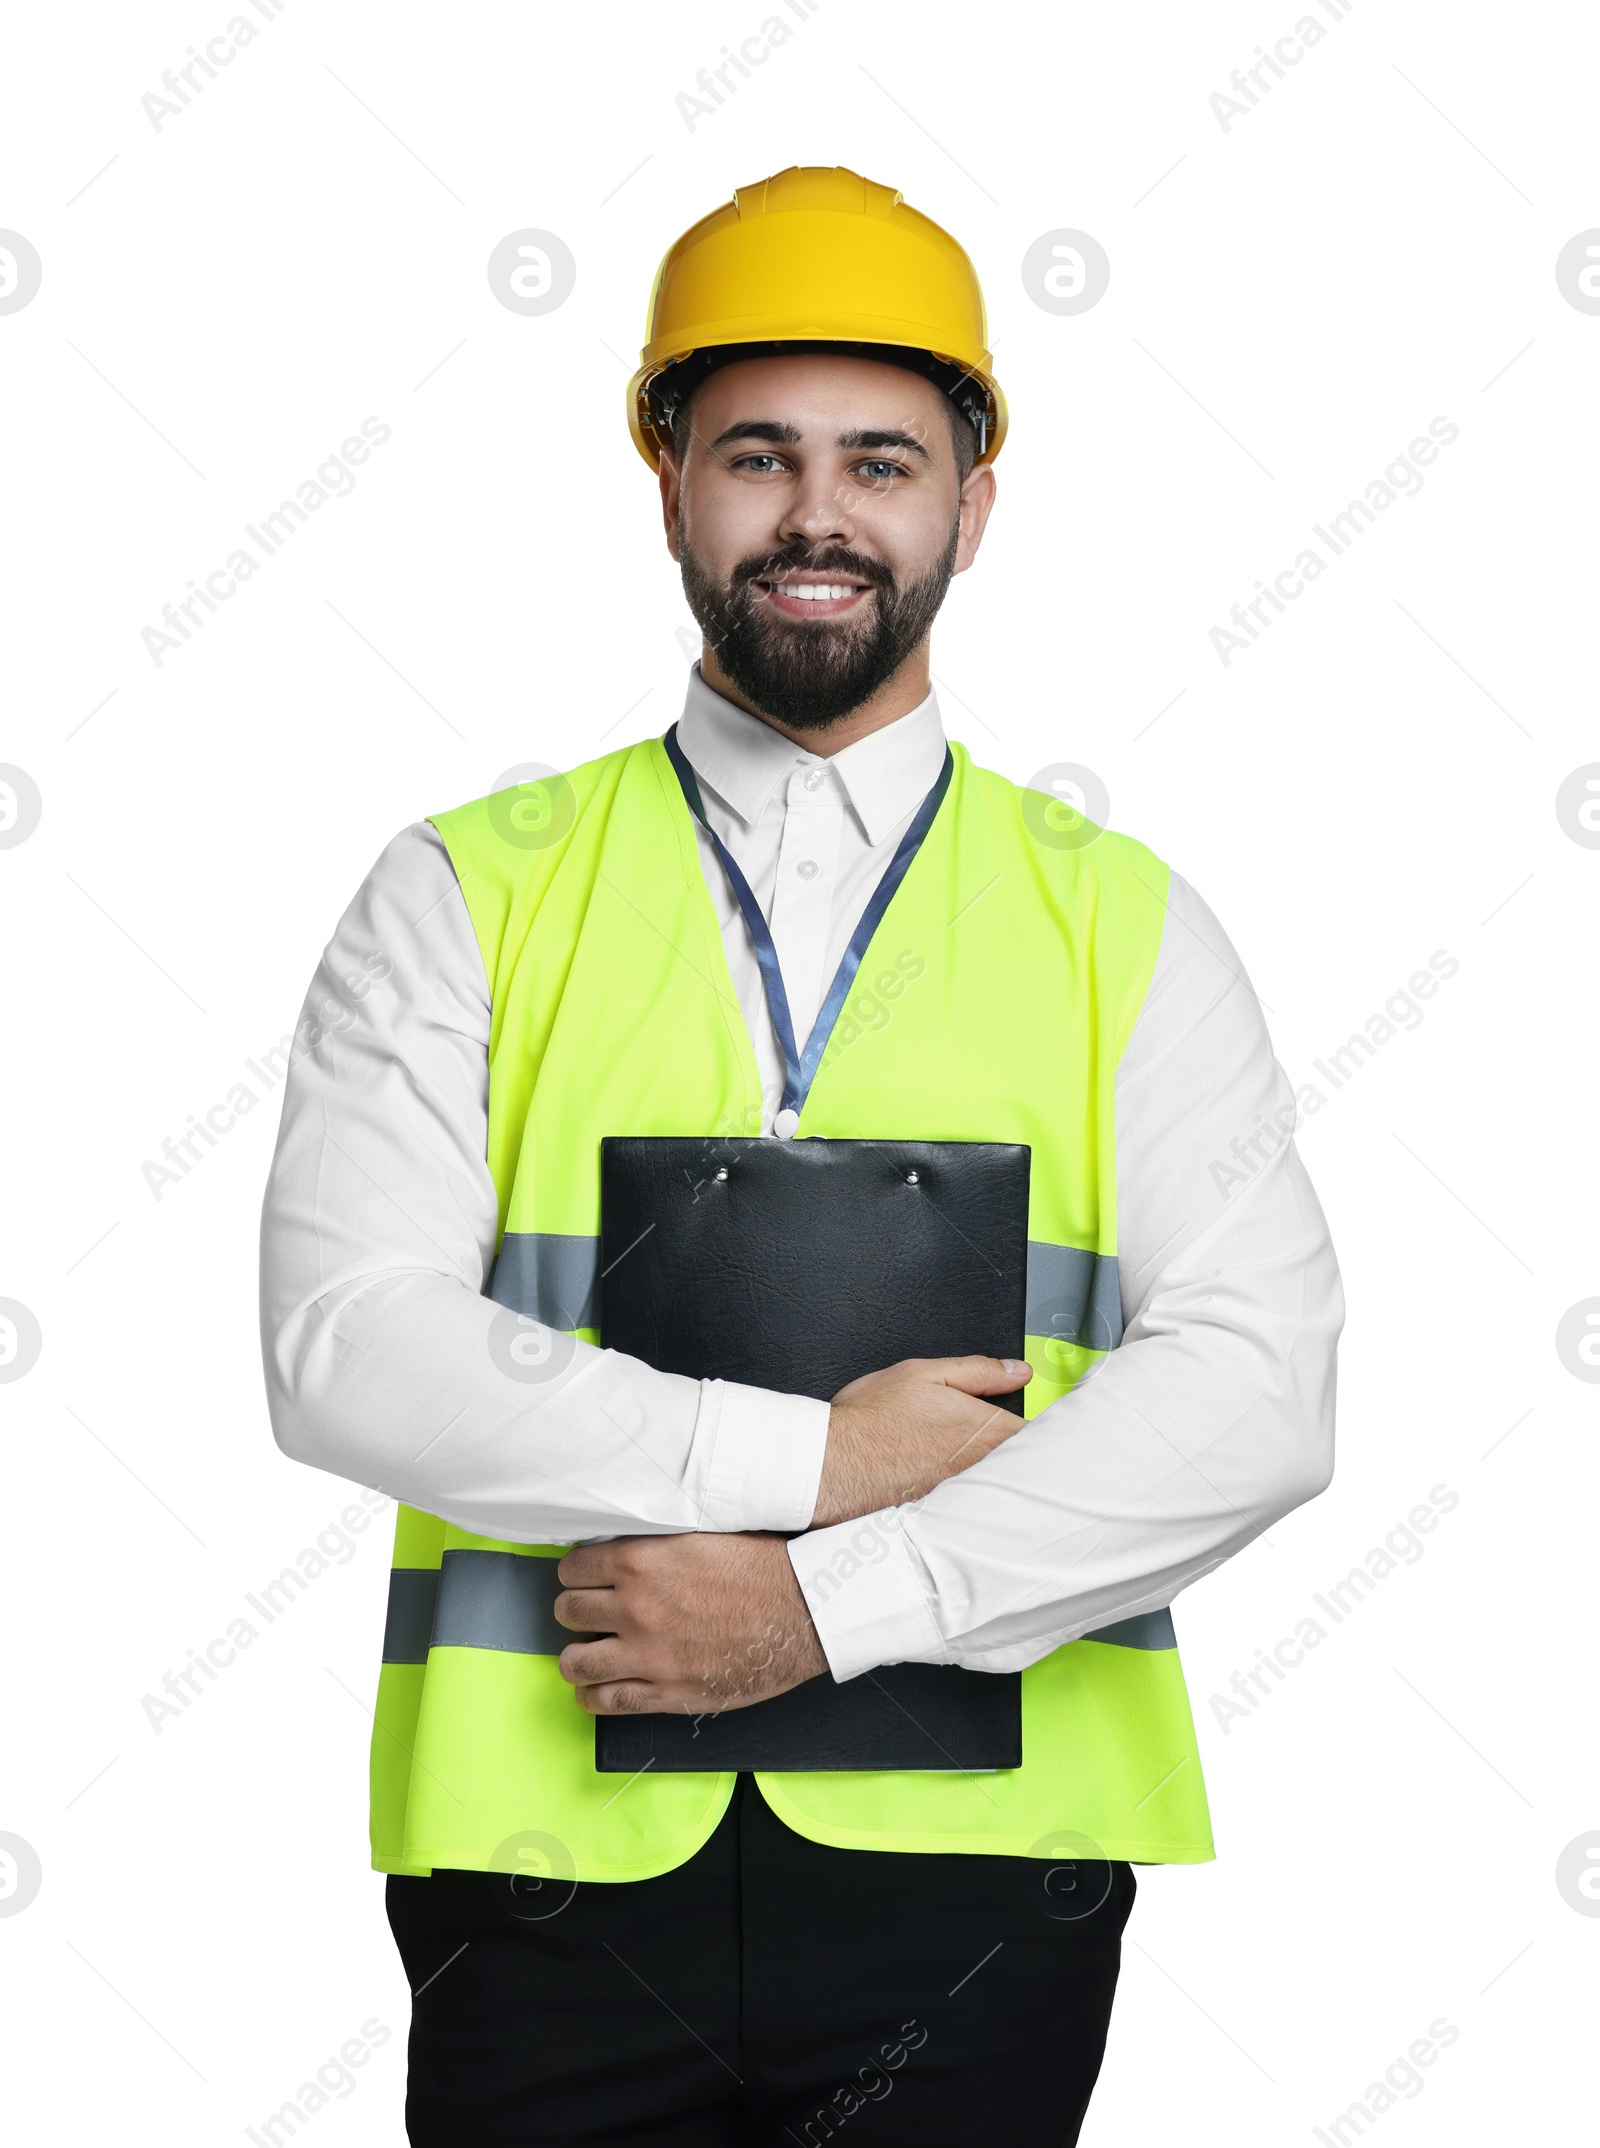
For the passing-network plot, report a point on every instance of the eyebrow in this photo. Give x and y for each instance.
(889, 439)
(759, 429)
(782, 434)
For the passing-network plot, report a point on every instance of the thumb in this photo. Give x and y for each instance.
(985, 1375)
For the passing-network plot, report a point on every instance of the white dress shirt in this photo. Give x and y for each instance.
(1213, 1417)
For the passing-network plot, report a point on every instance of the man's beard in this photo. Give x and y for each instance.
(808, 673)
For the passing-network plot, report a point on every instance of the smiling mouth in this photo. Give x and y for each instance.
(813, 596)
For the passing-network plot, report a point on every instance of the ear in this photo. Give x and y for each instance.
(977, 499)
(670, 481)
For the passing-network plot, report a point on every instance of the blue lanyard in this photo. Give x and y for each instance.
(800, 1069)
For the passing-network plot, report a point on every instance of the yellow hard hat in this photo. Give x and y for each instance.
(815, 256)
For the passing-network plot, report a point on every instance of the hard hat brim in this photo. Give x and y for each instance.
(651, 438)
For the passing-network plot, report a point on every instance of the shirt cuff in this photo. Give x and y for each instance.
(766, 1464)
(867, 1598)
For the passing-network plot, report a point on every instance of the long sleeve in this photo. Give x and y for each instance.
(383, 1360)
(1213, 1417)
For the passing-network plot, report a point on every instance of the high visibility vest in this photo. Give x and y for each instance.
(993, 1004)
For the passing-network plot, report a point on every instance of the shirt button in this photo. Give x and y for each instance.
(808, 868)
(785, 1123)
(813, 779)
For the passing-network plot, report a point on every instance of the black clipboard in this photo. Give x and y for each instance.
(800, 1265)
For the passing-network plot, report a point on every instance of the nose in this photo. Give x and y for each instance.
(819, 512)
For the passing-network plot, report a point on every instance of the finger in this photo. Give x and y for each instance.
(644, 1696)
(628, 1696)
(591, 1663)
(586, 1566)
(983, 1375)
(589, 1611)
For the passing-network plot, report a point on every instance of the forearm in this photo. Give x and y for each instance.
(1214, 1415)
(1208, 1423)
(405, 1381)
(384, 1361)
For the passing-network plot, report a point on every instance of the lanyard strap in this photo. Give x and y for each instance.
(800, 1069)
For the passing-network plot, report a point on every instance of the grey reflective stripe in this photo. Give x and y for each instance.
(1151, 1629)
(1074, 1295)
(412, 1592)
(474, 1599)
(549, 1276)
(555, 1277)
(499, 1599)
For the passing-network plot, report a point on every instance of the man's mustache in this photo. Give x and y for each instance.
(771, 567)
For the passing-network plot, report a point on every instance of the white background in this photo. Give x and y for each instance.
(1292, 300)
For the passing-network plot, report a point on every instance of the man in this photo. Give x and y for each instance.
(920, 1957)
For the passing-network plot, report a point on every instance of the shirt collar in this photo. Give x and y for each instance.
(885, 776)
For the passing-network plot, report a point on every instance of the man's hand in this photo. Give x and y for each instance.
(687, 1625)
(893, 1435)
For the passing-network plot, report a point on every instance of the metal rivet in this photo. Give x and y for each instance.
(912, 1179)
(722, 1171)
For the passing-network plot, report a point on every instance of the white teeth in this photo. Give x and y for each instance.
(813, 592)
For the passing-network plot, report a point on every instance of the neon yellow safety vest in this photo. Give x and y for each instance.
(993, 1004)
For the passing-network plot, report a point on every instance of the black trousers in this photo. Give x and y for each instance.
(771, 1990)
